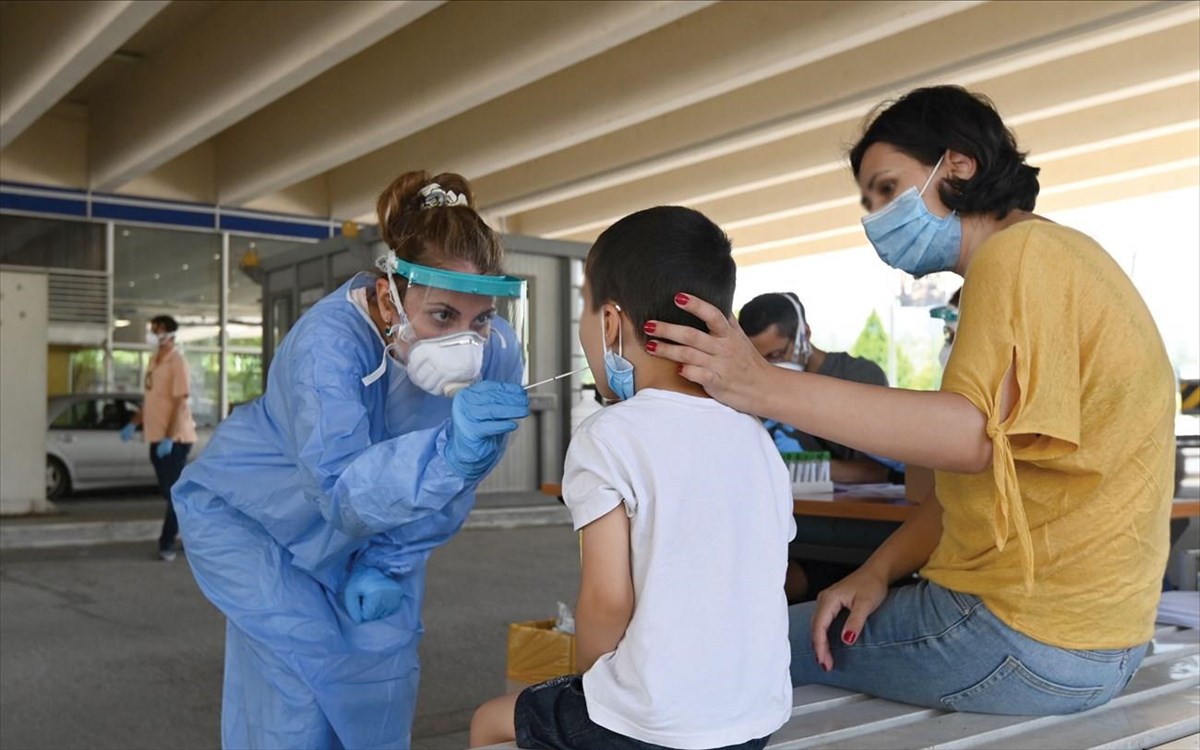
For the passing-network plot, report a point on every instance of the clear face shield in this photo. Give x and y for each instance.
(448, 321)
(801, 346)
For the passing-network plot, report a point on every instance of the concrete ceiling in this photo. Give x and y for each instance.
(568, 115)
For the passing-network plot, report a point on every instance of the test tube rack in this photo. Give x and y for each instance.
(809, 472)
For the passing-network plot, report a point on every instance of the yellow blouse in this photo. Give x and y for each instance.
(1065, 539)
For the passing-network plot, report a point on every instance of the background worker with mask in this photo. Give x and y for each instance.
(948, 314)
(165, 420)
(778, 327)
(311, 515)
(1042, 550)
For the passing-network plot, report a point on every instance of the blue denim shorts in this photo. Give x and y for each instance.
(944, 649)
(554, 715)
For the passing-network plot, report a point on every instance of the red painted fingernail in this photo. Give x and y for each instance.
(681, 299)
(849, 638)
(649, 327)
(679, 369)
(651, 346)
(825, 667)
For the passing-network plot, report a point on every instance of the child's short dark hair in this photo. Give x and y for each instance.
(644, 259)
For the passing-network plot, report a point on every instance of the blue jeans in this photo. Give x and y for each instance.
(167, 470)
(930, 646)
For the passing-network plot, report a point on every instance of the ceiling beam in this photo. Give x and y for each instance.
(1168, 162)
(1117, 187)
(1084, 131)
(768, 173)
(979, 44)
(457, 58)
(239, 58)
(639, 81)
(46, 49)
(1162, 148)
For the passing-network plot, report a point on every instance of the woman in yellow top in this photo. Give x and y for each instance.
(1042, 556)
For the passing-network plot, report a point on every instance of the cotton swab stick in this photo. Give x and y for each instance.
(556, 377)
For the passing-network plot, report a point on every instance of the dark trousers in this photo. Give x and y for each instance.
(167, 469)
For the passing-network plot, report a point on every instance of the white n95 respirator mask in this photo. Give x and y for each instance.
(445, 365)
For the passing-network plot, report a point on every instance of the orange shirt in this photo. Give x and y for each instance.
(166, 381)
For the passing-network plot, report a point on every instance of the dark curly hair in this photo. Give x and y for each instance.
(924, 123)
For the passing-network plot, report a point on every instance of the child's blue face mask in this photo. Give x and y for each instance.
(908, 237)
(617, 369)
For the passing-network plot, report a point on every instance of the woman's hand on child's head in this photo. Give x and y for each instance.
(722, 361)
(861, 592)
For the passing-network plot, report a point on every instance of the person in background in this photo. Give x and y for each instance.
(685, 508)
(778, 327)
(166, 421)
(948, 314)
(314, 509)
(1043, 547)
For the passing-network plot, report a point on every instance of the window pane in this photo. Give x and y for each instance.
(129, 371)
(87, 371)
(113, 414)
(166, 272)
(245, 378)
(246, 278)
(75, 416)
(204, 371)
(51, 243)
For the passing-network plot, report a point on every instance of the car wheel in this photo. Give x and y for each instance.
(58, 481)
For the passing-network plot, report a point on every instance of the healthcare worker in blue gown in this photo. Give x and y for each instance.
(309, 518)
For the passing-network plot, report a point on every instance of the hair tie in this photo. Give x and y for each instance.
(434, 195)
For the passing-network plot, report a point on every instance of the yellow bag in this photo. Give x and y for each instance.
(537, 652)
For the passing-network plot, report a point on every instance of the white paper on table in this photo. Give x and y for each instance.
(1180, 608)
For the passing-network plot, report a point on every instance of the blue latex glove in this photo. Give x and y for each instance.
(165, 446)
(371, 594)
(128, 431)
(480, 417)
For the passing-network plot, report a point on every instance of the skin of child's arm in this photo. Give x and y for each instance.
(605, 603)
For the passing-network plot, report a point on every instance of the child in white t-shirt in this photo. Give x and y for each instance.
(686, 512)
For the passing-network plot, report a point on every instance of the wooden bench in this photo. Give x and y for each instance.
(1160, 705)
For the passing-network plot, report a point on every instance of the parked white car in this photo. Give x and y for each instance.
(84, 450)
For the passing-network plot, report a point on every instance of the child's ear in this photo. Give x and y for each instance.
(612, 324)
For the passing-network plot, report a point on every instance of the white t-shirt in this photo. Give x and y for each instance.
(704, 661)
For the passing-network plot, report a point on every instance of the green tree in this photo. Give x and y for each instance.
(872, 344)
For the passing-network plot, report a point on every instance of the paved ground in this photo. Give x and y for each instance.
(104, 647)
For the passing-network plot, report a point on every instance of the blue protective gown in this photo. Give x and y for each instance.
(294, 489)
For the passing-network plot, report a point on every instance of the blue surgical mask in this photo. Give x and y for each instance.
(909, 237)
(617, 369)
